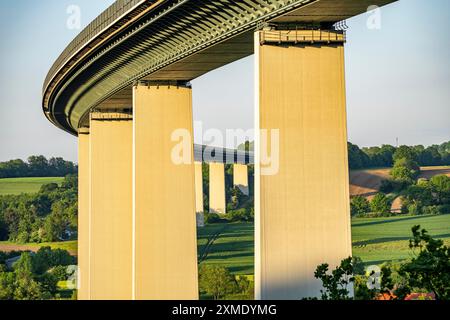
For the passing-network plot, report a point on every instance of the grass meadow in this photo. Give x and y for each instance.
(25, 185)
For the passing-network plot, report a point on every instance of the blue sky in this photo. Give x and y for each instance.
(398, 77)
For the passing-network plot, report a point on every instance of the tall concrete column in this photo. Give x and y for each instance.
(217, 203)
(199, 194)
(165, 252)
(302, 214)
(110, 225)
(240, 177)
(83, 214)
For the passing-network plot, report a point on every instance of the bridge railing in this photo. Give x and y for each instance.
(107, 17)
(302, 36)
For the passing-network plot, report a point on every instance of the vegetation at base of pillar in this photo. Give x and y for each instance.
(218, 283)
(37, 166)
(425, 276)
(46, 216)
(35, 276)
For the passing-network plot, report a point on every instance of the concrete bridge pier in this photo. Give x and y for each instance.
(165, 253)
(240, 177)
(199, 210)
(302, 216)
(83, 214)
(110, 234)
(217, 202)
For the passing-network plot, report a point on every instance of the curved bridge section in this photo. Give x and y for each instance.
(165, 40)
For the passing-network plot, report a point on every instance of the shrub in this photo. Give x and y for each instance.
(359, 206)
(380, 204)
(212, 217)
(216, 281)
(391, 185)
(413, 209)
(336, 285)
(405, 170)
(243, 215)
(431, 210)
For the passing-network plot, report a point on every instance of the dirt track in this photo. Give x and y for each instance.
(7, 247)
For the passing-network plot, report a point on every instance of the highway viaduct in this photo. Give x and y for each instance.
(122, 86)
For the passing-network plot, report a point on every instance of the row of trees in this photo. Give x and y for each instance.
(49, 215)
(385, 155)
(37, 166)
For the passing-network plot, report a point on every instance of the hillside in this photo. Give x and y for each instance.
(375, 240)
(25, 185)
(367, 182)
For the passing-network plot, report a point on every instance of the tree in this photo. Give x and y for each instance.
(216, 281)
(26, 288)
(429, 269)
(7, 285)
(357, 159)
(48, 188)
(359, 205)
(38, 166)
(380, 204)
(336, 286)
(70, 182)
(440, 186)
(46, 258)
(405, 170)
(405, 152)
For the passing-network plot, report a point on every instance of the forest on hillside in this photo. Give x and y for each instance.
(37, 166)
(370, 157)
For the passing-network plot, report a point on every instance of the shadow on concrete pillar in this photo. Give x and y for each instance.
(164, 191)
(110, 225)
(302, 214)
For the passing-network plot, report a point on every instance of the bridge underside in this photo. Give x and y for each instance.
(175, 41)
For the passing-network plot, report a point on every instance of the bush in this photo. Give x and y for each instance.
(405, 170)
(431, 210)
(216, 281)
(391, 185)
(212, 217)
(413, 209)
(444, 209)
(380, 204)
(47, 258)
(243, 215)
(359, 206)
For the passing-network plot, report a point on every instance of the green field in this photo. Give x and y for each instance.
(230, 245)
(375, 240)
(25, 185)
